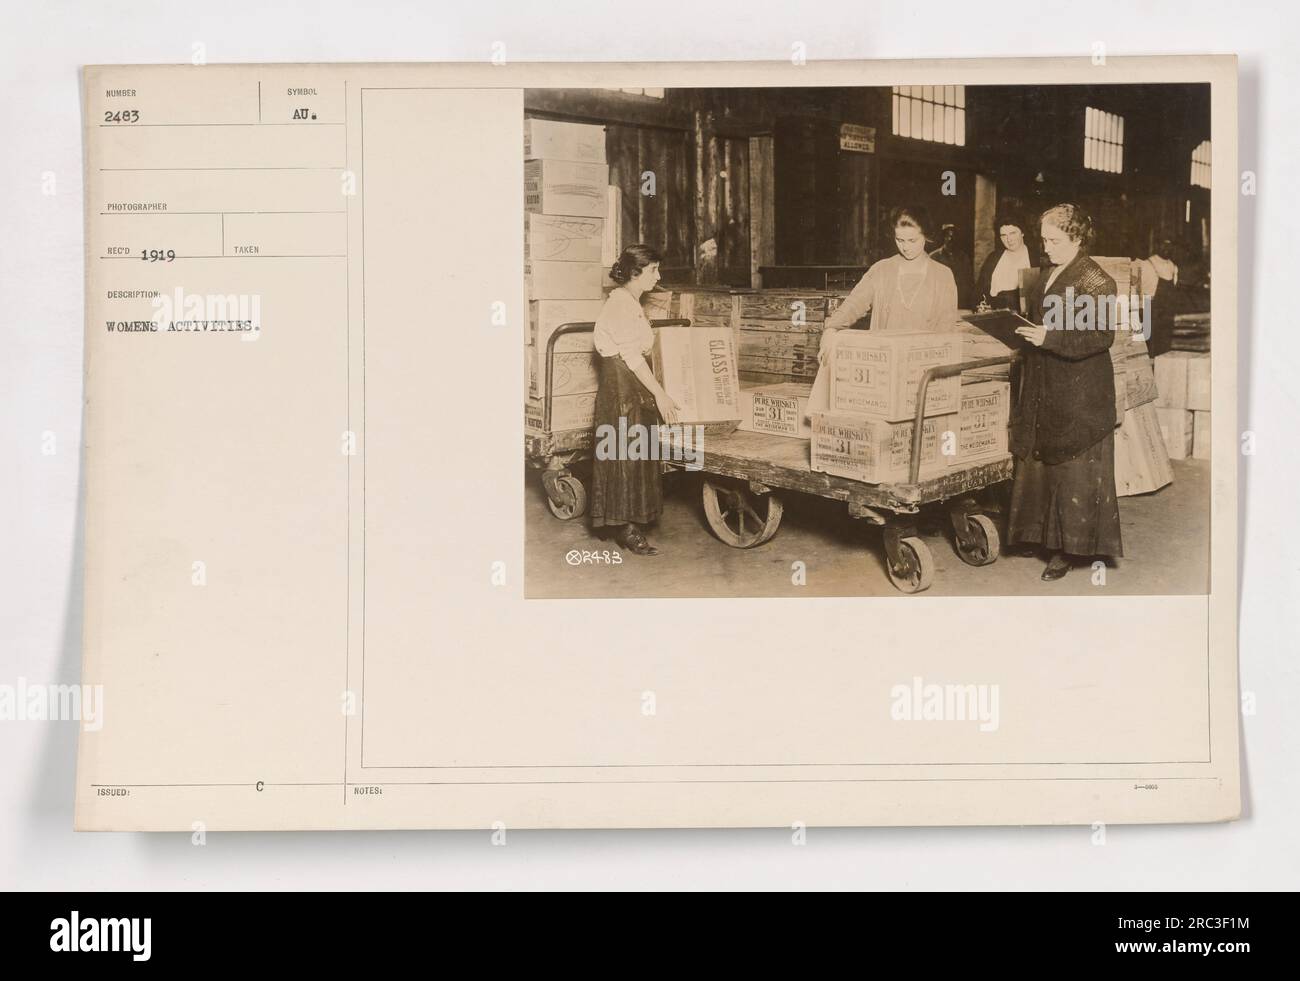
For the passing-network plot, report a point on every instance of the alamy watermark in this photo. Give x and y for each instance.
(26, 702)
(207, 312)
(922, 702)
(1088, 312)
(677, 441)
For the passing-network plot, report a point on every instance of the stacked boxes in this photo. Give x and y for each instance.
(982, 423)
(1200, 435)
(1141, 460)
(867, 433)
(1183, 379)
(1176, 430)
(566, 195)
(867, 448)
(780, 334)
(546, 139)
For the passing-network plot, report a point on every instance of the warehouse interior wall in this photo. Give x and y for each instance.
(750, 188)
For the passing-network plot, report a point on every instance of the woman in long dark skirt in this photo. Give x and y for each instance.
(1063, 427)
(626, 488)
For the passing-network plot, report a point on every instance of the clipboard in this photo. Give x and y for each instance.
(1001, 325)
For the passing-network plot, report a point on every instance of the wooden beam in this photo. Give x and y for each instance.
(762, 198)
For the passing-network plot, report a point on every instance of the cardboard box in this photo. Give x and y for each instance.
(573, 374)
(697, 367)
(1171, 379)
(1135, 383)
(559, 187)
(563, 238)
(546, 315)
(1183, 380)
(563, 280)
(546, 139)
(867, 448)
(878, 373)
(1141, 460)
(981, 433)
(1198, 382)
(567, 412)
(1176, 430)
(781, 410)
(1200, 435)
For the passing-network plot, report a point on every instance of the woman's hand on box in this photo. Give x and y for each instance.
(824, 352)
(669, 410)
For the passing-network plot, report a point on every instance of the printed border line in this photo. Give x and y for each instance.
(417, 766)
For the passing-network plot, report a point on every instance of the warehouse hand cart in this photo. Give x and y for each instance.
(747, 474)
(556, 452)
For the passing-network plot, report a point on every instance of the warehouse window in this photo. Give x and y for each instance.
(1201, 165)
(931, 112)
(1103, 141)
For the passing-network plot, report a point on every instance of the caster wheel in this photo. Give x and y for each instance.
(566, 497)
(983, 545)
(913, 569)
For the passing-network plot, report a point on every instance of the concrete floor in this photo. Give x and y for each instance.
(1166, 545)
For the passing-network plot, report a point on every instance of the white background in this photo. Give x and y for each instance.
(41, 297)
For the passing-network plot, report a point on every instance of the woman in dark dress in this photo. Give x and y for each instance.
(998, 283)
(626, 489)
(1063, 428)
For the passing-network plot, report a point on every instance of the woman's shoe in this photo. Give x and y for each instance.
(1057, 566)
(635, 542)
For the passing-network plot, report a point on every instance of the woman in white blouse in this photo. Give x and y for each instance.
(627, 494)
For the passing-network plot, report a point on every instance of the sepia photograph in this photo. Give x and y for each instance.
(862, 341)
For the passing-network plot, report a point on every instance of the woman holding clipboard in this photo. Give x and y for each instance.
(1062, 430)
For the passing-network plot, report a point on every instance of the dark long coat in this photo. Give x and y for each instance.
(1067, 387)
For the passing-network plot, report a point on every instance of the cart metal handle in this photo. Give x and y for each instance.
(938, 371)
(578, 327)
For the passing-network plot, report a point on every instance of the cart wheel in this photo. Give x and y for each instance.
(913, 571)
(983, 545)
(739, 518)
(566, 497)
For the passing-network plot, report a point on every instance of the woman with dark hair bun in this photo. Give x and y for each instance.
(1062, 430)
(998, 284)
(626, 494)
(907, 291)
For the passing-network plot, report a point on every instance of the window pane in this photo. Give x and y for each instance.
(961, 96)
(927, 93)
(927, 131)
(949, 125)
(916, 118)
(961, 126)
(895, 100)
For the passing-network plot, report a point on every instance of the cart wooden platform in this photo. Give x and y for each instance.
(748, 474)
